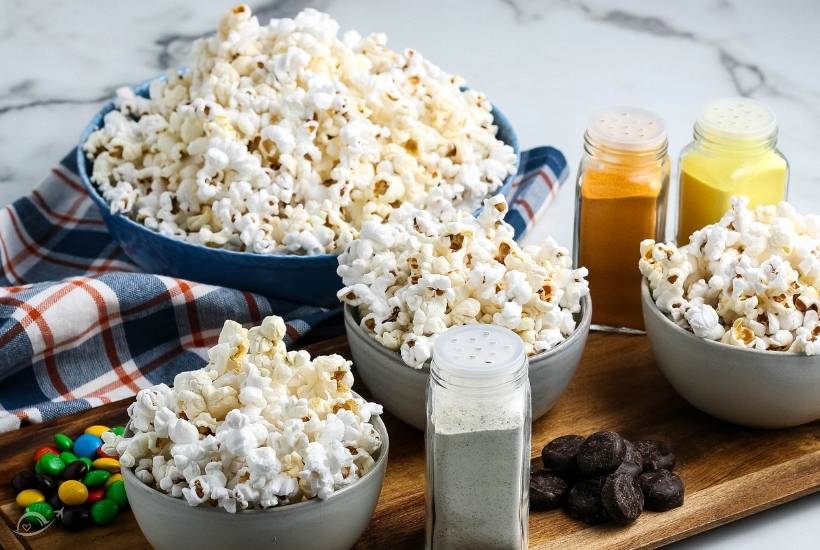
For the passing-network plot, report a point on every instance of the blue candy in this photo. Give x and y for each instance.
(86, 445)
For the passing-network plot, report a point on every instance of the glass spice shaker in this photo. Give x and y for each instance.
(620, 200)
(734, 152)
(478, 440)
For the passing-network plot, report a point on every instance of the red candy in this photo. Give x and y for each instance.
(103, 454)
(45, 451)
(95, 494)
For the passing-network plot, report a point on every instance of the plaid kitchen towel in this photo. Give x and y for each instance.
(80, 326)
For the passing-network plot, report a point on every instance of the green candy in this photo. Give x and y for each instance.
(118, 430)
(95, 478)
(51, 464)
(116, 492)
(63, 442)
(44, 509)
(37, 468)
(88, 462)
(68, 457)
(104, 511)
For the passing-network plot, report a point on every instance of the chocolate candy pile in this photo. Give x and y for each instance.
(605, 477)
(73, 480)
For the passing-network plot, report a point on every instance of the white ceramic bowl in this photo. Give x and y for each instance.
(760, 389)
(402, 390)
(333, 524)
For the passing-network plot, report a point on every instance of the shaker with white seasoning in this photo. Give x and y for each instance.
(478, 440)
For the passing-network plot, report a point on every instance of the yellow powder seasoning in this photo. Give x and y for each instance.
(620, 200)
(733, 153)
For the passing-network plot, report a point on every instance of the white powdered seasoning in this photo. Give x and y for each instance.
(478, 476)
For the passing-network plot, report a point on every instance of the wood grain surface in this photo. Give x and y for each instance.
(729, 472)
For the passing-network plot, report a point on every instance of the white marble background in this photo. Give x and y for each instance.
(546, 64)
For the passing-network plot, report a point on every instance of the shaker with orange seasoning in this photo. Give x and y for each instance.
(620, 200)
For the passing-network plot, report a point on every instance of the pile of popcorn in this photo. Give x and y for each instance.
(422, 272)
(257, 427)
(750, 280)
(286, 138)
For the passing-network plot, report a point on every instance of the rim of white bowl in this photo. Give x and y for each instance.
(647, 296)
(581, 327)
(384, 450)
(97, 198)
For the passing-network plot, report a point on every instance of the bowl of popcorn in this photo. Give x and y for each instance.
(261, 448)
(732, 316)
(258, 164)
(413, 277)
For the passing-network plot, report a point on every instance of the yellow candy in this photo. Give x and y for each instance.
(97, 430)
(112, 479)
(110, 464)
(28, 497)
(72, 492)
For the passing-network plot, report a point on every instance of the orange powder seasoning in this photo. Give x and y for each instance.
(620, 201)
(619, 205)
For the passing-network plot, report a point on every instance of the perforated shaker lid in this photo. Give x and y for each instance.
(737, 118)
(476, 351)
(627, 128)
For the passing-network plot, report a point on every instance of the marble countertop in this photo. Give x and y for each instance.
(547, 64)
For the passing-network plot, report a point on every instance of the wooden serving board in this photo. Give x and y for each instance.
(729, 472)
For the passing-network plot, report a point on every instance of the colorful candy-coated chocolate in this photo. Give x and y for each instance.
(86, 445)
(28, 497)
(116, 492)
(119, 430)
(74, 518)
(23, 480)
(103, 454)
(75, 470)
(97, 430)
(46, 483)
(72, 492)
(88, 462)
(96, 494)
(45, 450)
(68, 457)
(114, 478)
(110, 464)
(51, 464)
(104, 511)
(63, 442)
(55, 502)
(44, 509)
(96, 478)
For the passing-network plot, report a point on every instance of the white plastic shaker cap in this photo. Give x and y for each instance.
(477, 351)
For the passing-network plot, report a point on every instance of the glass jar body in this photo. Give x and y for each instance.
(711, 171)
(478, 463)
(620, 200)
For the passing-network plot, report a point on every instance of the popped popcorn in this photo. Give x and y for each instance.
(420, 273)
(286, 138)
(751, 280)
(257, 427)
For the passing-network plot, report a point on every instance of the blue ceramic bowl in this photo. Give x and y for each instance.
(300, 279)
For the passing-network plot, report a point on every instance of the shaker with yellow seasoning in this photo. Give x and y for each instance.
(620, 201)
(733, 153)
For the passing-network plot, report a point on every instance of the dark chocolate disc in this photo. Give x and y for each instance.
(547, 490)
(600, 454)
(656, 455)
(662, 490)
(621, 498)
(559, 454)
(584, 502)
(633, 462)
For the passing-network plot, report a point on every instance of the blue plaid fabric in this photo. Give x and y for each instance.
(80, 326)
